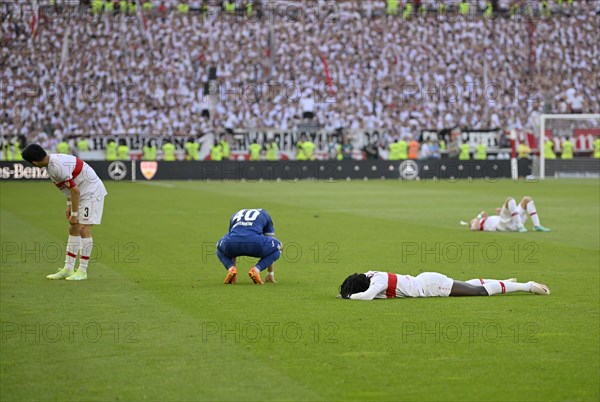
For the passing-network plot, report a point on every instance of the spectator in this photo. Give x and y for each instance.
(146, 76)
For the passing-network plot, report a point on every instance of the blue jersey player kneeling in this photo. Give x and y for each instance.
(251, 234)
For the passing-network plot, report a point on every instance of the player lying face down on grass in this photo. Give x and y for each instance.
(251, 234)
(385, 285)
(85, 194)
(511, 218)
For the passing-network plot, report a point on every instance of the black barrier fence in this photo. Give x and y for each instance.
(283, 170)
(106, 170)
(328, 170)
(573, 168)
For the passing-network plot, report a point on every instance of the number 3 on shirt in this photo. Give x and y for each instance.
(247, 215)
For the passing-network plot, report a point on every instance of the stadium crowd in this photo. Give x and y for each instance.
(164, 70)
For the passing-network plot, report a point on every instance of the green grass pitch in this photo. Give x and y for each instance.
(155, 322)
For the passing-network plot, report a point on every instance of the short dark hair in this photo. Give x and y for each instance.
(33, 153)
(355, 283)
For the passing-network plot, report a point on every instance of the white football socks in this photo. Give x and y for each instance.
(512, 208)
(533, 213)
(85, 252)
(73, 245)
(494, 287)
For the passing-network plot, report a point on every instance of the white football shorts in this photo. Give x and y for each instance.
(90, 210)
(507, 223)
(434, 284)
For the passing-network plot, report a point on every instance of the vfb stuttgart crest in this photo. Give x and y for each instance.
(149, 169)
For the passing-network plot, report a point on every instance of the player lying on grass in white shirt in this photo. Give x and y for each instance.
(511, 218)
(386, 285)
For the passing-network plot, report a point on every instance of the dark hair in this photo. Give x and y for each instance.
(355, 283)
(33, 153)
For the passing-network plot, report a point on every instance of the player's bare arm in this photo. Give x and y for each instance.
(75, 197)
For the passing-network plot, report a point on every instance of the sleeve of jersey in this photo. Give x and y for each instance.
(377, 286)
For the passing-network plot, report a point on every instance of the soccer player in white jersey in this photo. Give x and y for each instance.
(511, 218)
(386, 285)
(85, 201)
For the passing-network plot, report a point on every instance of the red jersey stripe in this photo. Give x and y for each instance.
(76, 172)
(391, 288)
(481, 222)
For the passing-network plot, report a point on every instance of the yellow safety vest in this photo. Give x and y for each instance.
(300, 155)
(111, 151)
(230, 7)
(567, 150)
(123, 152)
(546, 12)
(464, 154)
(308, 148)
(183, 8)
(272, 150)
(524, 151)
(83, 145)
(394, 154)
(480, 152)
(408, 10)
(442, 9)
(192, 149)
(97, 6)
(226, 150)
(168, 152)
(109, 6)
(149, 153)
(17, 152)
(463, 8)
(549, 150)
(597, 148)
(216, 154)
(488, 10)
(392, 7)
(403, 149)
(255, 152)
(62, 148)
